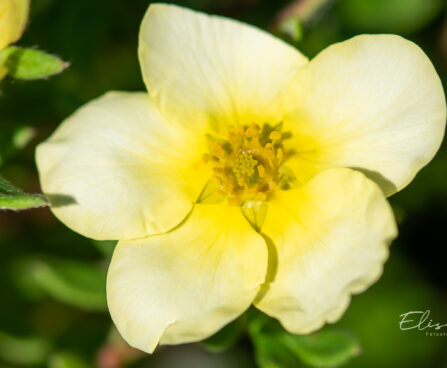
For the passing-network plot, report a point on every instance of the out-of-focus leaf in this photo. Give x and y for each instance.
(67, 360)
(14, 140)
(23, 350)
(77, 283)
(291, 28)
(226, 337)
(276, 348)
(388, 16)
(303, 12)
(106, 247)
(22, 136)
(327, 348)
(30, 64)
(12, 198)
(270, 352)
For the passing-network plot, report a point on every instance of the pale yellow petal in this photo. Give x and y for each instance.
(331, 238)
(210, 71)
(373, 102)
(116, 169)
(185, 285)
(13, 18)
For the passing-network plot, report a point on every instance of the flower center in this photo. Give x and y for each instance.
(245, 166)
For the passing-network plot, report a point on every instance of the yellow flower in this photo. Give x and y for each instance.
(238, 125)
(13, 18)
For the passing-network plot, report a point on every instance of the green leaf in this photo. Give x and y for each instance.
(226, 337)
(106, 247)
(12, 198)
(77, 283)
(327, 348)
(22, 136)
(14, 140)
(67, 360)
(276, 348)
(23, 350)
(388, 16)
(22, 202)
(291, 28)
(6, 188)
(270, 352)
(30, 64)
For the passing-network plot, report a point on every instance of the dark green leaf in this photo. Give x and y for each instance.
(276, 348)
(77, 283)
(23, 350)
(388, 16)
(270, 352)
(327, 348)
(14, 140)
(226, 337)
(6, 188)
(106, 247)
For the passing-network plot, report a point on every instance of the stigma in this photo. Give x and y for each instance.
(245, 166)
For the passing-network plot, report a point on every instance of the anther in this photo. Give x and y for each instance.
(252, 131)
(217, 150)
(206, 157)
(244, 167)
(275, 136)
(279, 154)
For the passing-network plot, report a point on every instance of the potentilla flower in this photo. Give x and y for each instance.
(13, 18)
(246, 175)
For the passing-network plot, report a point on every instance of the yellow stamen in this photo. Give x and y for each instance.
(252, 131)
(246, 169)
(206, 157)
(275, 136)
(279, 154)
(217, 150)
(244, 165)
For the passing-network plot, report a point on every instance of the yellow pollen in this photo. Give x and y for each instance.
(244, 166)
(275, 136)
(247, 168)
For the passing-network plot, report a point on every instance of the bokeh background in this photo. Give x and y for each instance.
(52, 281)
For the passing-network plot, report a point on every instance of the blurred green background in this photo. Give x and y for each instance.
(52, 309)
